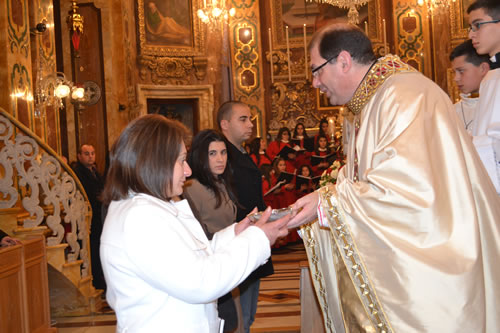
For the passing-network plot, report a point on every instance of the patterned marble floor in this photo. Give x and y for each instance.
(278, 308)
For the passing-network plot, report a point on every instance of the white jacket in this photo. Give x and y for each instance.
(163, 274)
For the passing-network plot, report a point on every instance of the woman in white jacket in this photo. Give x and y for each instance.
(162, 272)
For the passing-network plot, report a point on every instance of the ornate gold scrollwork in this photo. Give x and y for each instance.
(200, 67)
(166, 70)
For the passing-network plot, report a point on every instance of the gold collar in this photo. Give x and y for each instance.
(378, 73)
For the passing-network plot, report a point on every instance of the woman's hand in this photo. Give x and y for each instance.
(273, 230)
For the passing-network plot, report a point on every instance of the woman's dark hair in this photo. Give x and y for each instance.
(255, 148)
(142, 160)
(280, 133)
(295, 130)
(198, 161)
(266, 171)
(317, 142)
(276, 161)
(305, 166)
(321, 122)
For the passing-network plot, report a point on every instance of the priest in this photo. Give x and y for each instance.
(408, 238)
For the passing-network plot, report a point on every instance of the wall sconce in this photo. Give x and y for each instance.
(54, 88)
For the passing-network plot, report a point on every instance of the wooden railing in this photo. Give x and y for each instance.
(45, 197)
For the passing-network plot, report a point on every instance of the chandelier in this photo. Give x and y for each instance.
(215, 12)
(53, 88)
(352, 5)
(435, 6)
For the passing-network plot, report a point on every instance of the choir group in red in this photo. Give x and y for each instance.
(291, 166)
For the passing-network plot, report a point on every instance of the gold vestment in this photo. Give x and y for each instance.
(414, 244)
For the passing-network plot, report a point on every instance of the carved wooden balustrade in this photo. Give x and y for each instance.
(40, 194)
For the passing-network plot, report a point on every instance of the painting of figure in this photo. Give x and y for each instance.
(168, 22)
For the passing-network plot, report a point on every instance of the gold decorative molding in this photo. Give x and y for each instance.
(200, 67)
(166, 70)
(203, 93)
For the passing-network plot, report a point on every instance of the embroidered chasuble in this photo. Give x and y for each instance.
(408, 240)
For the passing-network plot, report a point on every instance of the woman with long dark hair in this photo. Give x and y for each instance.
(212, 199)
(258, 152)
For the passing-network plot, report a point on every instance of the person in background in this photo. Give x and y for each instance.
(162, 272)
(233, 118)
(469, 68)
(258, 152)
(301, 139)
(305, 188)
(267, 172)
(6, 240)
(388, 246)
(282, 140)
(212, 199)
(484, 21)
(321, 149)
(323, 131)
(93, 183)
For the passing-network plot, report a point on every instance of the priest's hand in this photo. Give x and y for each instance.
(305, 210)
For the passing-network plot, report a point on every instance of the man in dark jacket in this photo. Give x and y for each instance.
(234, 121)
(93, 184)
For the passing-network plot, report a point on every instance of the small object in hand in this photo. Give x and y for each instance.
(276, 214)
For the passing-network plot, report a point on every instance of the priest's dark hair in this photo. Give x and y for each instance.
(467, 49)
(490, 7)
(142, 160)
(198, 161)
(335, 38)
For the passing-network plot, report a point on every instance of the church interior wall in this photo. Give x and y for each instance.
(120, 55)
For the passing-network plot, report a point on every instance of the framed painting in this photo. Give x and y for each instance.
(182, 110)
(459, 21)
(169, 28)
(296, 13)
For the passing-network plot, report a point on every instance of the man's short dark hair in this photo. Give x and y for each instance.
(142, 160)
(334, 39)
(225, 111)
(490, 7)
(467, 49)
(79, 151)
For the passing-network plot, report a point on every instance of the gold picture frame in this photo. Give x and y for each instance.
(178, 33)
(459, 23)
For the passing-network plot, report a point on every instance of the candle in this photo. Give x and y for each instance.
(204, 4)
(366, 28)
(305, 50)
(331, 126)
(385, 36)
(271, 54)
(288, 56)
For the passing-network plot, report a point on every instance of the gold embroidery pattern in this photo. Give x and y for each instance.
(380, 71)
(310, 243)
(353, 262)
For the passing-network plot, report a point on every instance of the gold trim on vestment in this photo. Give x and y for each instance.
(384, 68)
(317, 276)
(355, 267)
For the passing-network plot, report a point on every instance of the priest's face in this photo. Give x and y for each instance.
(329, 78)
(486, 37)
(467, 75)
